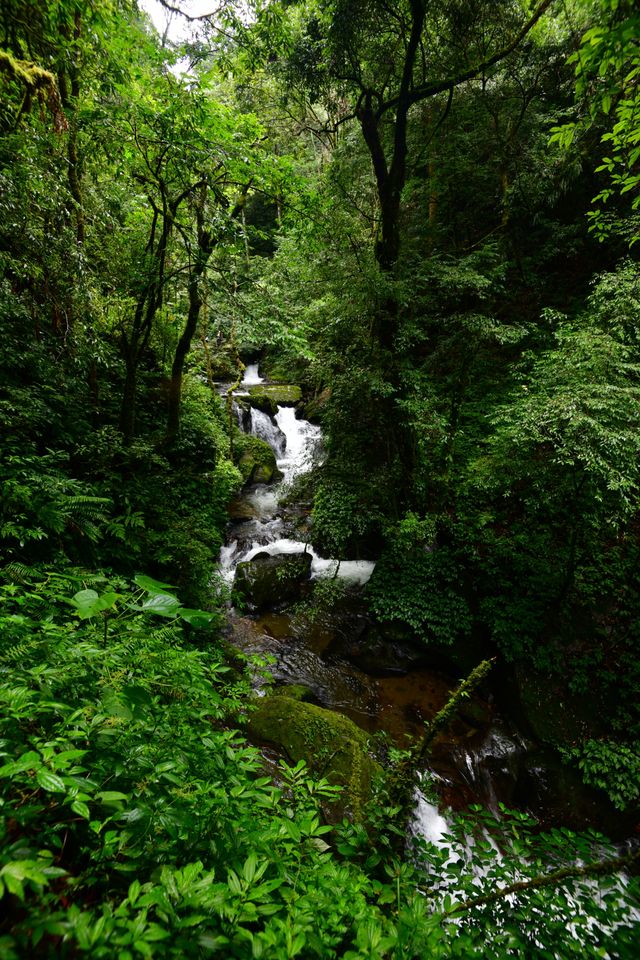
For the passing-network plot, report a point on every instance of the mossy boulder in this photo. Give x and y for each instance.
(330, 743)
(263, 402)
(270, 396)
(296, 691)
(554, 714)
(256, 460)
(267, 582)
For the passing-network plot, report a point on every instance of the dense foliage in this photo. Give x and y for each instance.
(425, 213)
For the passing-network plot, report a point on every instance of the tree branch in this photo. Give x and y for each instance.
(553, 879)
(426, 90)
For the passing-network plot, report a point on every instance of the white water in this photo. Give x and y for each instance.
(294, 442)
(251, 376)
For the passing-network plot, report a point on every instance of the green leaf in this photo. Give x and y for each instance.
(152, 586)
(50, 781)
(162, 605)
(28, 761)
(111, 797)
(89, 604)
(81, 808)
(197, 618)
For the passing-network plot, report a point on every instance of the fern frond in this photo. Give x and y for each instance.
(84, 506)
(16, 573)
(19, 652)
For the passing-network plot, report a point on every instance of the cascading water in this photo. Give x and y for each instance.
(475, 763)
(261, 425)
(294, 442)
(251, 375)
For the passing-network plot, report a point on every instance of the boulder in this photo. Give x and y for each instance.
(314, 407)
(267, 582)
(256, 460)
(330, 743)
(380, 649)
(270, 396)
(263, 402)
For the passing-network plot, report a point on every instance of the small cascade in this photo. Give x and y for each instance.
(490, 769)
(251, 376)
(302, 442)
(355, 571)
(261, 425)
(242, 417)
(427, 821)
(295, 442)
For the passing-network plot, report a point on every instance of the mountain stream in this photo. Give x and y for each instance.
(479, 760)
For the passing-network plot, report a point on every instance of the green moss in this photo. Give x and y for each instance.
(255, 460)
(331, 744)
(296, 691)
(264, 396)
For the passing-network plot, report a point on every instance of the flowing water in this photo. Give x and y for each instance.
(472, 759)
(478, 760)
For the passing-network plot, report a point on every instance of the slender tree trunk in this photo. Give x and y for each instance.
(128, 406)
(149, 302)
(182, 349)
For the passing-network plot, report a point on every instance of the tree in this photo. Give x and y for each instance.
(607, 73)
(382, 60)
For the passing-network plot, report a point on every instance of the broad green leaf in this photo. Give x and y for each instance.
(50, 781)
(151, 585)
(162, 605)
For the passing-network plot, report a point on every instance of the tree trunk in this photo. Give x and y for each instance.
(182, 349)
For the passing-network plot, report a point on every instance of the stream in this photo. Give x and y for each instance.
(481, 757)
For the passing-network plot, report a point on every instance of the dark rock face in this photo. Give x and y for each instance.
(267, 582)
(380, 649)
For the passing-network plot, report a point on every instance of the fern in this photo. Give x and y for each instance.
(20, 652)
(15, 572)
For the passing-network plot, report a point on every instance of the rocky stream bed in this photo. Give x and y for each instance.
(340, 679)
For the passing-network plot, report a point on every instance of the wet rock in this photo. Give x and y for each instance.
(296, 691)
(256, 461)
(476, 712)
(380, 649)
(262, 401)
(267, 582)
(332, 746)
(313, 408)
(241, 511)
(270, 396)
(554, 792)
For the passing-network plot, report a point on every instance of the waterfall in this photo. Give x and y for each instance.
(251, 376)
(261, 425)
(294, 442)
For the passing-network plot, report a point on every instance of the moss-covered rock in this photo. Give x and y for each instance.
(267, 582)
(264, 402)
(296, 691)
(270, 396)
(331, 745)
(553, 713)
(256, 460)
